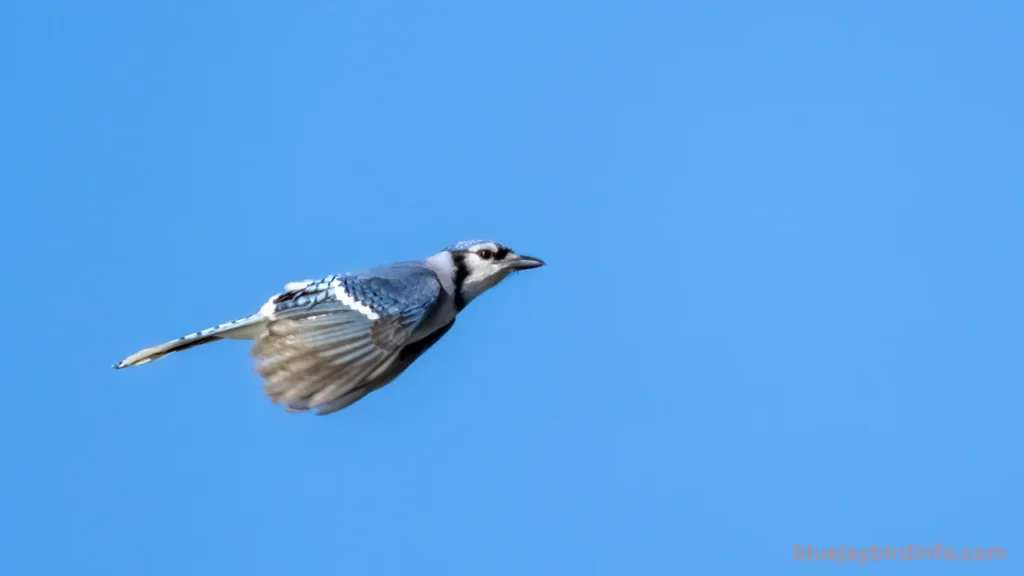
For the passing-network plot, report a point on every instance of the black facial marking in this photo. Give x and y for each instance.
(461, 272)
(501, 253)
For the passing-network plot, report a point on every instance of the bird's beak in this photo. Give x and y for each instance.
(519, 262)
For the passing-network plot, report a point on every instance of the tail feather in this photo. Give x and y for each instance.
(244, 329)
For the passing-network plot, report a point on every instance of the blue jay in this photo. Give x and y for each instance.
(323, 345)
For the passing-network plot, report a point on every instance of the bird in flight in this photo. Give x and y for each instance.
(323, 345)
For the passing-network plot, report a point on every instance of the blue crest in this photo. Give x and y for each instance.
(467, 244)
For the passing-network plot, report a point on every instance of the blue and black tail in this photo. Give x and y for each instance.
(244, 329)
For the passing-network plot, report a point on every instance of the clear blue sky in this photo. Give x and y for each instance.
(782, 305)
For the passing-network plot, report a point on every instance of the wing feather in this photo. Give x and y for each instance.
(325, 339)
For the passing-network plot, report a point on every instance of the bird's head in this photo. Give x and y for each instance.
(480, 265)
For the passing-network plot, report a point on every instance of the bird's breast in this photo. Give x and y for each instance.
(442, 314)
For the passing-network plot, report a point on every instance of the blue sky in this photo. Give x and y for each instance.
(782, 303)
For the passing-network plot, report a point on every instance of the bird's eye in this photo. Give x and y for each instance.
(485, 254)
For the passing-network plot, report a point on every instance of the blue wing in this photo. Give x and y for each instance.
(324, 340)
